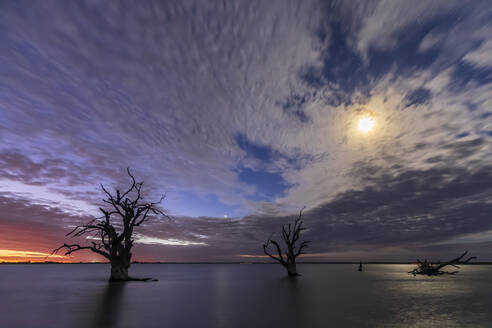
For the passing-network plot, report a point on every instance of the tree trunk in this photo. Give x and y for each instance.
(291, 269)
(119, 270)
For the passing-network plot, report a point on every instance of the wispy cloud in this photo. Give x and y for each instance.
(159, 241)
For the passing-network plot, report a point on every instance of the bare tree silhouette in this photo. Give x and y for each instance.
(427, 268)
(290, 235)
(111, 234)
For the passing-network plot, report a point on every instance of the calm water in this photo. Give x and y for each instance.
(215, 295)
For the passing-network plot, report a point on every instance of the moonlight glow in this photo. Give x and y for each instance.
(366, 123)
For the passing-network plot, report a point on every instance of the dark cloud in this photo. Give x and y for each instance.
(397, 208)
(19, 167)
(25, 226)
(412, 209)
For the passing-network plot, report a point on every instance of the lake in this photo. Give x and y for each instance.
(242, 295)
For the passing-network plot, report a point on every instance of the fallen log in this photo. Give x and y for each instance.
(435, 269)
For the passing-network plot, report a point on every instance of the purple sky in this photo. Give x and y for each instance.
(243, 112)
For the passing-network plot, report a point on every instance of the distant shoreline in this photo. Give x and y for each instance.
(357, 262)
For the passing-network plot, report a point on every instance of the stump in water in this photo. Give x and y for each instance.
(290, 236)
(119, 270)
(429, 269)
(111, 234)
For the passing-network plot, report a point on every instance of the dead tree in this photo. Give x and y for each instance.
(110, 235)
(434, 269)
(290, 235)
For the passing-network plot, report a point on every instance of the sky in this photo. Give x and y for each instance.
(243, 112)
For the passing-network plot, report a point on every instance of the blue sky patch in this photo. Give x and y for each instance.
(263, 153)
(462, 135)
(268, 185)
(466, 73)
(419, 96)
(190, 203)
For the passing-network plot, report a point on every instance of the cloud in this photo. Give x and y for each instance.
(141, 93)
(158, 241)
(481, 56)
(248, 110)
(430, 41)
(397, 208)
(380, 24)
(29, 230)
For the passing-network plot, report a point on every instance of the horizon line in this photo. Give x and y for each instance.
(237, 262)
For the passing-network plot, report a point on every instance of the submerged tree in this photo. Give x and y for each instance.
(290, 235)
(434, 269)
(111, 234)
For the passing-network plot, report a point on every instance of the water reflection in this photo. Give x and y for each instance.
(241, 296)
(107, 313)
(295, 305)
(245, 297)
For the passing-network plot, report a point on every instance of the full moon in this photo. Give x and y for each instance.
(366, 123)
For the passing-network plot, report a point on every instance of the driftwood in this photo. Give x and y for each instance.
(290, 235)
(111, 234)
(434, 269)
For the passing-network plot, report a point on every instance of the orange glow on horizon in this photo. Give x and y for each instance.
(23, 242)
(7, 255)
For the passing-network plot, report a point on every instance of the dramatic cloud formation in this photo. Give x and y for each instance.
(244, 112)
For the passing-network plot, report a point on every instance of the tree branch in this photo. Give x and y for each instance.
(280, 257)
(75, 248)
